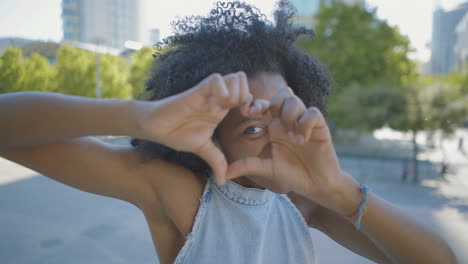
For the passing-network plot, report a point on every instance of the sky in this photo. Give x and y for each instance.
(41, 19)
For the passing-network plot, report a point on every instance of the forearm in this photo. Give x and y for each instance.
(30, 118)
(401, 237)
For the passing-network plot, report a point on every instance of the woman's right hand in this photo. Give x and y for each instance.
(186, 121)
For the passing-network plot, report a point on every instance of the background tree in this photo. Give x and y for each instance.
(431, 104)
(46, 49)
(140, 70)
(362, 52)
(75, 72)
(11, 70)
(370, 108)
(114, 77)
(39, 74)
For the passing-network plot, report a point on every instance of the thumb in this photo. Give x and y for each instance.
(215, 158)
(252, 166)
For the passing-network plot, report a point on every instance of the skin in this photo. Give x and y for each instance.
(287, 149)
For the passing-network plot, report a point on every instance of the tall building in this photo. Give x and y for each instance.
(104, 22)
(444, 37)
(307, 9)
(461, 46)
(154, 36)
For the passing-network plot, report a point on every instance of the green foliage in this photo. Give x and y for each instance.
(357, 47)
(46, 49)
(369, 62)
(458, 78)
(11, 70)
(446, 104)
(140, 70)
(433, 103)
(114, 78)
(75, 72)
(39, 74)
(412, 117)
(31, 74)
(369, 108)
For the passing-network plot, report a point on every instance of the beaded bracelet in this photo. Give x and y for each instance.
(362, 207)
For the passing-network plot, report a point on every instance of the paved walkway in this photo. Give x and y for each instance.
(43, 221)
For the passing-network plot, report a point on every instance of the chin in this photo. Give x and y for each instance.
(268, 184)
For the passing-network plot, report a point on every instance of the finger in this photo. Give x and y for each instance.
(259, 107)
(291, 112)
(232, 83)
(278, 101)
(251, 166)
(214, 85)
(245, 108)
(246, 97)
(214, 88)
(308, 121)
(216, 159)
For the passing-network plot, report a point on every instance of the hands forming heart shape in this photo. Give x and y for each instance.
(303, 158)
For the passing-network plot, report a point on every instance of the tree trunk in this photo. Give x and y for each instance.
(415, 159)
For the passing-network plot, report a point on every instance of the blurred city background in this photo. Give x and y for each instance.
(398, 112)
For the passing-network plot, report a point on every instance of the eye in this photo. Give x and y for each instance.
(253, 129)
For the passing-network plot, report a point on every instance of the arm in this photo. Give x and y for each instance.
(48, 132)
(385, 229)
(32, 118)
(344, 233)
(91, 165)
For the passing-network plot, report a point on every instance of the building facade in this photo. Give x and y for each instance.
(461, 46)
(307, 9)
(155, 36)
(103, 22)
(444, 37)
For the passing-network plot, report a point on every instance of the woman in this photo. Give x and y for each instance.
(232, 160)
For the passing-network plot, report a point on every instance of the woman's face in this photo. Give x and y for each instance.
(240, 137)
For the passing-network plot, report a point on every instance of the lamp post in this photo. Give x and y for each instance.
(98, 69)
(98, 77)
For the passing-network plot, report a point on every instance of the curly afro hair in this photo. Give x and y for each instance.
(234, 37)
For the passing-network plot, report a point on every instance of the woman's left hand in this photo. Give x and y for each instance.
(303, 158)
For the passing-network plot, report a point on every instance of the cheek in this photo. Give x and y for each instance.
(244, 147)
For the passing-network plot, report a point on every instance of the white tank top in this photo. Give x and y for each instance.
(235, 224)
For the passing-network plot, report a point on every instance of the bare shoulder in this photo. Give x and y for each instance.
(170, 216)
(177, 191)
